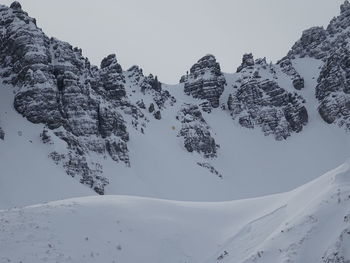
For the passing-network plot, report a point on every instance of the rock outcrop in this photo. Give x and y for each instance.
(151, 86)
(196, 132)
(331, 45)
(266, 105)
(205, 80)
(90, 110)
(2, 134)
(258, 100)
(320, 43)
(59, 88)
(310, 44)
(287, 68)
(111, 77)
(333, 89)
(211, 169)
(247, 62)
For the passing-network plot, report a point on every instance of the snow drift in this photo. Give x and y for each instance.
(309, 224)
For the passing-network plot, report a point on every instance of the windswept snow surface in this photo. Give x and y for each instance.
(310, 224)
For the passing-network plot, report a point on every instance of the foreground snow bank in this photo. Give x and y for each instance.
(309, 224)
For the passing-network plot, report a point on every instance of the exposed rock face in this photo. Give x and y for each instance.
(151, 83)
(90, 109)
(333, 89)
(2, 134)
(151, 86)
(16, 6)
(157, 115)
(320, 43)
(211, 169)
(258, 100)
(59, 88)
(247, 62)
(195, 131)
(205, 80)
(287, 67)
(112, 78)
(261, 102)
(332, 46)
(151, 108)
(86, 107)
(309, 43)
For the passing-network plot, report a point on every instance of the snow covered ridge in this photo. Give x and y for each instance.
(309, 224)
(331, 45)
(81, 105)
(119, 131)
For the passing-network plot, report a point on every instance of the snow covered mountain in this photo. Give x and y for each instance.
(71, 129)
(309, 224)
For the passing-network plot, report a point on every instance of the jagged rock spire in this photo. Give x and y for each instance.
(205, 80)
(112, 78)
(247, 61)
(16, 6)
(111, 62)
(345, 7)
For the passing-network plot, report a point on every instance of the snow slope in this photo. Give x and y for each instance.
(309, 224)
(162, 168)
(251, 164)
(27, 176)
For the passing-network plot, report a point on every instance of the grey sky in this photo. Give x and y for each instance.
(166, 37)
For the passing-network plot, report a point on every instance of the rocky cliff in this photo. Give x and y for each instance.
(89, 114)
(258, 100)
(331, 45)
(80, 104)
(205, 81)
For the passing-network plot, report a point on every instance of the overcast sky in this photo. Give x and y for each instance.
(166, 37)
